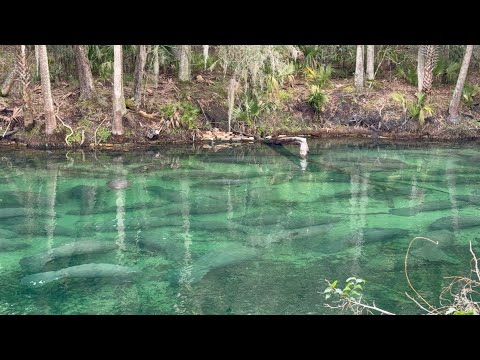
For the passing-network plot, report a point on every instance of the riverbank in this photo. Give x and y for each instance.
(175, 112)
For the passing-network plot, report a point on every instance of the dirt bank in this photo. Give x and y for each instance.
(183, 112)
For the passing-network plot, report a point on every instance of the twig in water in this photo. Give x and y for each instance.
(371, 307)
(475, 260)
(418, 304)
(406, 271)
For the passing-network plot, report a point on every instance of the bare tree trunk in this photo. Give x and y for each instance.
(119, 108)
(184, 67)
(453, 109)
(420, 68)
(139, 70)
(430, 53)
(50, 120)
(370, 62)
(231, 101)
(37, 59)
(85, 78)
(359, 69)
(23, 75)
(156, 65)
(205, 55)
(8, 83)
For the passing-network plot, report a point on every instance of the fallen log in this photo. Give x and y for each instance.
(302, 142)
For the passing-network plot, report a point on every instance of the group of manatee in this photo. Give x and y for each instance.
(225, 254)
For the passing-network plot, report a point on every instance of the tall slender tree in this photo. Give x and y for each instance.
(420, 67)
(184, 73)
(23, 75)
(454, 107)
(119, 108)
(370, 62)
(8, 83)
(430, 54)
(50, 120)
(139, 72)
(156, 66)
(85, 78)
(205, 55)
(359, 69)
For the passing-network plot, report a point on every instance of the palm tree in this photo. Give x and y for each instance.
(50, 120)
(430, 56)
(453, 109)
(359, 69)
(85, 78)
(119, 108)
(139, 71)
(420, 68)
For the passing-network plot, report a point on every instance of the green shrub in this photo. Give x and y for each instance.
(415, 109)
(317, 98)
(469, 92)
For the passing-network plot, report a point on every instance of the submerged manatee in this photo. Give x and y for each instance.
(381, 234)
(6, 233)
(444, 237)
(77, 192)
(173, 247)
(224, 255)
(432, 253)
(80, 271)
(427, 206)
(41, 230)
(309, 232)
(221, 181)
(12, 212)
(450, 222)
(12, 245)
(169, 195)
(118, 184)
(38, 261)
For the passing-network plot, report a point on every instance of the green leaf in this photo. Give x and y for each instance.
(398, 97)
(358, 287)
(327, 290)
(350, 279)
(355, 293)
(471, 312)
(360, 281)
(428, 109)
(334, 283)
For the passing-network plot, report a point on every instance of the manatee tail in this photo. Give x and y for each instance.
(40, 279)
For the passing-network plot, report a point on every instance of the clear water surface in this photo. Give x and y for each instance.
(248, 229)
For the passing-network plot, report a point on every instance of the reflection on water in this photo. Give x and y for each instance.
(245, 230)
